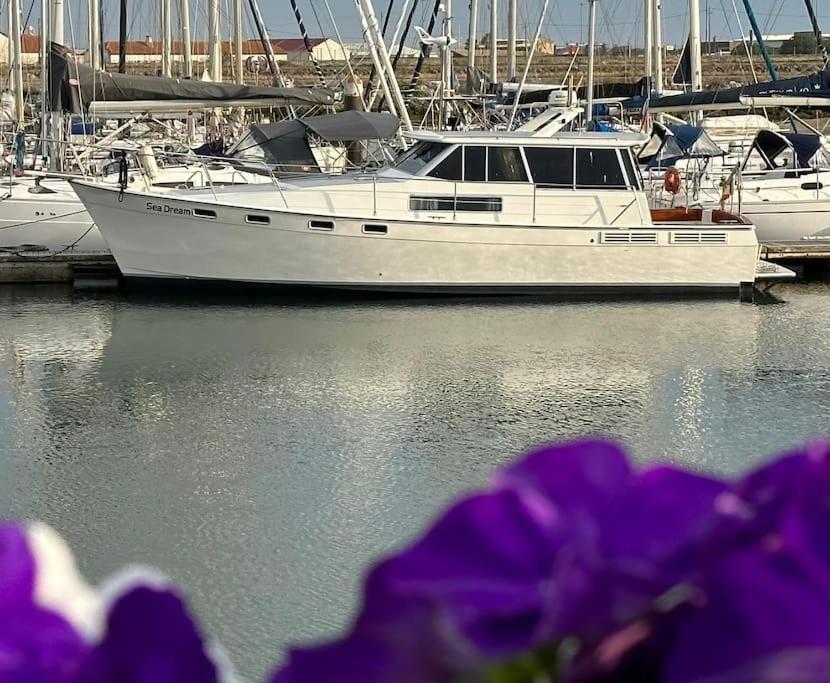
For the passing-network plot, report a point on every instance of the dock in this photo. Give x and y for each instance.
(77, 268)
(810, 259)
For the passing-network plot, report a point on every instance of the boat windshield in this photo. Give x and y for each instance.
(419, 156)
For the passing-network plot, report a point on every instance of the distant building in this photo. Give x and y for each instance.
(322, 49)
(149, 51)
(30, 49)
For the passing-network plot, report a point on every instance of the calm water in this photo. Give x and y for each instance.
(262, 454)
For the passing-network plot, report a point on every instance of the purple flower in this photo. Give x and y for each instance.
(634, 570)
(54, 628)
(36, 644)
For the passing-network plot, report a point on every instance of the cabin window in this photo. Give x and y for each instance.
(449, 204)
(475, 164)
(599, 168)
(505, 165)
(552, 166)
(321, 225)
(419, 156)
(449, 168)
(375, 229)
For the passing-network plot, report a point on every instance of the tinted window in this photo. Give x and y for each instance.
(419, 156)
(489, 204)
(475, 164)
(551, 166)
(504, 164)
(598, 168)
(449, 168)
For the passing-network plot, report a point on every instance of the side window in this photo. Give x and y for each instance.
(504, 164)
(599, 168)
(475, 164)
(551, 166)
(449, 168)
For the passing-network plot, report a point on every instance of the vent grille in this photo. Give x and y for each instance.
(699, 237)
(626, 237)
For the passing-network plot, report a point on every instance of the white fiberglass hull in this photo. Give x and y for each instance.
(55, 220)
(789, 221)
(183, 237)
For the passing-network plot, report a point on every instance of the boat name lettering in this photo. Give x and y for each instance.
(166, 208)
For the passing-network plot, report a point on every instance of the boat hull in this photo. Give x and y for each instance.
(184, 238)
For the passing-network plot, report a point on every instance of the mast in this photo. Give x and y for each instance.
(276, 75)
(308, 47)
(472, 40)
(57, 22)
(94, 7)
(376, 61)
(592, 27)
(657, 44)
(383, 65)
(446, 85)
(44, 77)
(187, 54)
(694, 45)
(817, 32)
(122, 38)
(494, 41)
(648, 68)
(773, 72)
(166, 39)
(15, 60)
(512, 19)
(425, 49)
(528, 59)
(214, 42)
(238, 20)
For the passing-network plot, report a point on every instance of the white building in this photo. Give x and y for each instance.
(323, 49)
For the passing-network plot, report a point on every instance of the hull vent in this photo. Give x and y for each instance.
(698, 237)
(626, 237)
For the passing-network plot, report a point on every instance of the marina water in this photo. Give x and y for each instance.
(261, 453)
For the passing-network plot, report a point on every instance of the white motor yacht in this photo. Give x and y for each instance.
(460, 212)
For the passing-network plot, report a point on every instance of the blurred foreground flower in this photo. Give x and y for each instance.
(572, 568)
(576, 568)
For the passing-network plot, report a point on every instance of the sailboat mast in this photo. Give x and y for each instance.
(238, 21)
(15, 60)
(512, 20)
(817, 32)
(45, 95)
(122, 38)
(276, 74)
(648, 67)
(773, 72)
(472, 40)
(494, 41)
(166, 39)
(57, 22)
(592, 28)
(94, 7)
(657, 44)
(187, 54)
(694, 45)
(214, 42)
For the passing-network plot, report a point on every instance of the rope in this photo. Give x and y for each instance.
(307, 42)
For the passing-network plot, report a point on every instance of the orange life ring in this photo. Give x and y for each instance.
(671, 181)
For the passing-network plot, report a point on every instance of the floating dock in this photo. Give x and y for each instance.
(810, 259)
(77, 268)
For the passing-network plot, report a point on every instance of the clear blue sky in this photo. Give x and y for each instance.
(620, 21)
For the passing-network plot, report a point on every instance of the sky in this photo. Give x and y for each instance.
(619, 21)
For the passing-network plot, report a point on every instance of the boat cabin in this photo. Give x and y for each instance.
(567, 161)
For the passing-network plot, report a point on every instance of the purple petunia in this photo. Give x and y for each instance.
(573, 567)
(55, 629)
(622, 575)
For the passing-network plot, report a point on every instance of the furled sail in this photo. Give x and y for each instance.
(74, 87)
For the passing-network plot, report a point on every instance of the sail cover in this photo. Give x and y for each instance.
(815, 85)
(75, 86)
